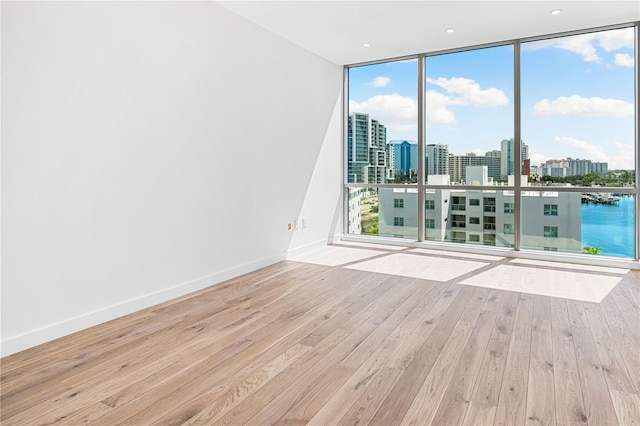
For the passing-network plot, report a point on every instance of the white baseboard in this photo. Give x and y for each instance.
(71, 325)
(314, 245)
(335, 239)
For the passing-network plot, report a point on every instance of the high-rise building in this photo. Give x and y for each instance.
(552, 171)
(391, 156)
(526, 167)
(367, 154)
(598, 167)
(402, 159)
(507, 157)
(496, 153)
(571, 167)
(524, 149)
(458, 166)
(437, 159)
(578, 167)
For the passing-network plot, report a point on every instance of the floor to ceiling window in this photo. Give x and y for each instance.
(468, 144)
(382, 149)
(530, 145)
(578, 119)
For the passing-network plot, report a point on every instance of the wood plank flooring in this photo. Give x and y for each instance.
(299, 343)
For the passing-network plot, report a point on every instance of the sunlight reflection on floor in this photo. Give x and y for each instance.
(415, 266)
(333, 255)
(546, 282)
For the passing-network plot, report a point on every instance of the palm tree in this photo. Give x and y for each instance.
(591, 250)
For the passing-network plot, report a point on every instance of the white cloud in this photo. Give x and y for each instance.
(460, 92)
(616, 39)
(394, 111)
(537, 157)
(405, 61)
(437, 109)
(465, 91)
(623, 159)
(590, 151)
(380, 81)
(624, 60)
(589, 107)
(585, 44)
(617, 155)
(401, 112)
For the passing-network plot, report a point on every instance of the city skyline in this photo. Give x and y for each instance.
(487, 153)
(373, 159)
(577, 98)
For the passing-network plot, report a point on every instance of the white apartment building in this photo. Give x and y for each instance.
(458, 166)
(550, 220)
(571, 167)
(437, 159)
(355, 211)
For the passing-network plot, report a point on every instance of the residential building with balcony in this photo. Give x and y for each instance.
(366, 149)
(437, 159)
(458, 166)
(551, 220)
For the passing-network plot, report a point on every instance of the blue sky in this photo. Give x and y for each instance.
(577, 98)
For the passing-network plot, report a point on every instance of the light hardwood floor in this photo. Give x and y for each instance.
(300, 343)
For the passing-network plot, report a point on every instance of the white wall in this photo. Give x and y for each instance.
(149, 150)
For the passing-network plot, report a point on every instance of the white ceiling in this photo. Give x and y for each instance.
(336, 30)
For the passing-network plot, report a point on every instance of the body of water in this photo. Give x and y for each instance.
(611, 227)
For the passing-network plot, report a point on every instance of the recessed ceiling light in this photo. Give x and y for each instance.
(556, 11)
(366, 45)
(450, 30)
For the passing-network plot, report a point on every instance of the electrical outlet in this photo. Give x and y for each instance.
(295, 224)
(304, 222)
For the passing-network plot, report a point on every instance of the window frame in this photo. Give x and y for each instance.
(550, 211)
(550, 231)
(510, 209)
(422, 185)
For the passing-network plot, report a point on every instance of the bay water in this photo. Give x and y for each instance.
(611, 227)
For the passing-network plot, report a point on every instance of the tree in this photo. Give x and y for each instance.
(373, 229)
